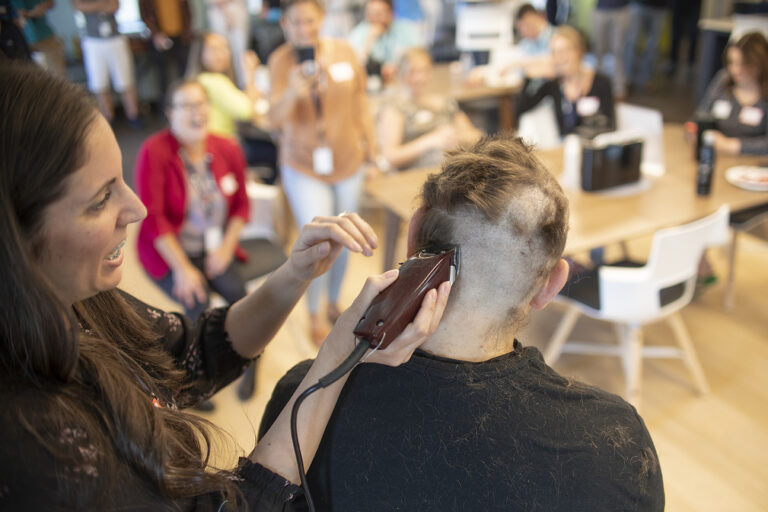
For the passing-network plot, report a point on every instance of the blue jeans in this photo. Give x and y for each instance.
(650, 21)
(309, 198)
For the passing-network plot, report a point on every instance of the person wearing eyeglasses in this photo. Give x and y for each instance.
(193, 185)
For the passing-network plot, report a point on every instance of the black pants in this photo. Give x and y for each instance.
(229, 285)
(169, 65)
(685, 20)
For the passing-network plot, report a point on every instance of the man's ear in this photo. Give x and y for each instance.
(413, 229)
(555, 282)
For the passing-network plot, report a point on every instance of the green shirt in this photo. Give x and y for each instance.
(35, 29)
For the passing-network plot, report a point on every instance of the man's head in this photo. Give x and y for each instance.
(529, 22)
(379, 12)
(509, 215)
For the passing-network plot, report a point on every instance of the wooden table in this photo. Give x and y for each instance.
(599, 219)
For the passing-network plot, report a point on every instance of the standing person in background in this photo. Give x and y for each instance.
(609, 29)
(646, 16)
(107, 56)
(327, 139)
(685, 25)
(381, 39)
(231, 19)
(40, 37)
(170, 25)
(12, 42)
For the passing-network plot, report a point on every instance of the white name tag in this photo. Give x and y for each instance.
(423, 117)
(751, 116)
(588, 106)
(105, 29)
(228, 184)
(212, 239)
(721, 109)
(322, 160)
(341, 71)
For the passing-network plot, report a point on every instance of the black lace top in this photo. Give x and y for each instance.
(33, 478)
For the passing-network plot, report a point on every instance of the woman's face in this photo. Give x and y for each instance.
(84, 231)
(739, 71)
(418, 73)
(301, 24)
(565, 56)
(188, 114)
(216, 55)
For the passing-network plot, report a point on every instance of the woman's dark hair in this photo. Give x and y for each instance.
(80, 364)
(754, 51)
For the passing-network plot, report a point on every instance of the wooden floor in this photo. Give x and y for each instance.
(713, 449)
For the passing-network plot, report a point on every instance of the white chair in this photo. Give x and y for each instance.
(634, 295)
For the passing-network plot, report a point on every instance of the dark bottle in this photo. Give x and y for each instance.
(704, 122)
(706, 163)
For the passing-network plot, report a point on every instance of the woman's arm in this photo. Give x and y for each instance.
(275, 450)
(254, 320)
(467, 133)
(391, 129)
(188, 281)
(288, 86)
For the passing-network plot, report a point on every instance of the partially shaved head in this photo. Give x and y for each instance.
(510, 217)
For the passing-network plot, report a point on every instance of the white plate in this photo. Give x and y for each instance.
(748, 177)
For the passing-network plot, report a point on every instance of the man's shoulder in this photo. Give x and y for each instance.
(282, 393)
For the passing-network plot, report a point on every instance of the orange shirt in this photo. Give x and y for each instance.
(169, 17)
(344, 107)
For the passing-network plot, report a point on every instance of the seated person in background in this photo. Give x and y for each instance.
(380, 40)
(416, 128)
(229, 104)
(193, 185)
(475, 420)
(581, 96)
(737, 98)
(529, 57)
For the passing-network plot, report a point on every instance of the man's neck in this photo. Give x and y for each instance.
(472, 339)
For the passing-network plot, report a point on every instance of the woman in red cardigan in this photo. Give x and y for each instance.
(193, 185)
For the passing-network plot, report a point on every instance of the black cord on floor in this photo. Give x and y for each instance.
(324, 382)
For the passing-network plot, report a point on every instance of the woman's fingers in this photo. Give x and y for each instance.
(348, 229)
(417, 332)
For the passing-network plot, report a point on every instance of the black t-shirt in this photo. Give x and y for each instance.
(507, 434)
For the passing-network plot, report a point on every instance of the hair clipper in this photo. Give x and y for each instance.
(394, 308)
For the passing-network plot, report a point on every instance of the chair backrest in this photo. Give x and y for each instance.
(676, 251)
(538, 126)
(666, 283)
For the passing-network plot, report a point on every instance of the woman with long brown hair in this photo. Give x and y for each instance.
(91, 379)
(737, 98)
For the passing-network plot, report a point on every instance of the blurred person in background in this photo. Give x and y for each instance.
(235, 113)
(416, 128)
(320, 106)
(645, 17)
(108, 59)
(610, 20)
(13, 45)
(380, 39)
(170, 26)
(231, 19)
(581, 96)
(47, 49)
(737, 98)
